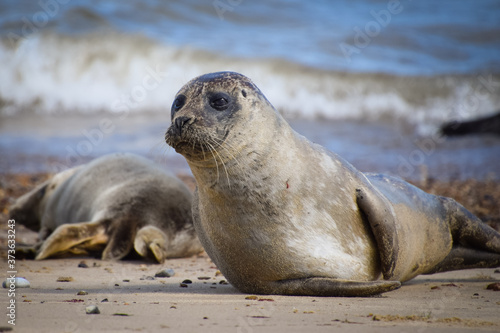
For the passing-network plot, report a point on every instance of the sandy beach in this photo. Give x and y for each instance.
(131, 298)
(371, 81)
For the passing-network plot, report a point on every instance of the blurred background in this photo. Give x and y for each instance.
(371, 80)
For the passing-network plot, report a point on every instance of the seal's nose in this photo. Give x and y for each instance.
(179, 123)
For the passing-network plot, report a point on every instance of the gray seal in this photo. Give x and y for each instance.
(113, 204)
(281, 215)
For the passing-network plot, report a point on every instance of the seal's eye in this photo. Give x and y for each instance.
(178, 103)
(219, 101)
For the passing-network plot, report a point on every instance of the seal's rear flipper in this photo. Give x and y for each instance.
(466, 258)
(468, 230)
(150, 242)
(74, 239)
(322, 286)
(382, 219)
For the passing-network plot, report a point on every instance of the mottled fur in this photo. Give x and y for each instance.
(109, 205)
(281, 215)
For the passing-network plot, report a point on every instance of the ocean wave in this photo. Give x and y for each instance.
(51, 73)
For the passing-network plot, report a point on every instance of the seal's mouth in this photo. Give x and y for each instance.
(174, 139)
(185, 142)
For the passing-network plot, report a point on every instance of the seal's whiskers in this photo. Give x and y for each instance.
(214, 150)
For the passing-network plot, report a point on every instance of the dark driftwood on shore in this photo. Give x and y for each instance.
(490, 125)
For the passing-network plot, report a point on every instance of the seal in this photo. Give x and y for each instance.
(113, 204)
(281, 215)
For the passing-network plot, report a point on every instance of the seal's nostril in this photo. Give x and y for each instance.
(179, 123)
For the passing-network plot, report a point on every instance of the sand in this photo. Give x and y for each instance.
(130, 300)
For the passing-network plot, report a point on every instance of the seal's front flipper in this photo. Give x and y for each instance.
(322, 286)
(74, 239)
(150, 242)
(121, 238)
(382, 220)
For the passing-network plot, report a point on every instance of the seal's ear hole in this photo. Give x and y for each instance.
(244, 93)
(219, 101)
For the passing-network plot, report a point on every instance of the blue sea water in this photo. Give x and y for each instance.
(401, 66)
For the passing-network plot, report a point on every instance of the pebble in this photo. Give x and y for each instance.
(187, 281)
(147, 278)
(203, 277)
(494, 286)
(82, 292)
(65, 279)
(19, 283)
(83, 264)
(166, 272)
(92, 309)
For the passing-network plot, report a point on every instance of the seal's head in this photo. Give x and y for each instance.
(211, 110)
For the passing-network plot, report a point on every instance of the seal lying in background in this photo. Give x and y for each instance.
(112, 204)
(281, 215)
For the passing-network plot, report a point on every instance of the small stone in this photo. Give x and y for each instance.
(117, 285)
(203, 277)
(183, 285)
(497, 271)
(187, 281)
(19, 282)
(148, 277)
(223, 282)
(82, 292)
(166, 272)
(92, 309)
(435, 288)
(64, 279)
(104, 300)
(251, 297)
(126, 280)
(494, 286)
(83, 264)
